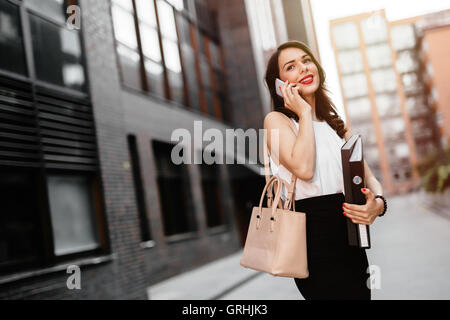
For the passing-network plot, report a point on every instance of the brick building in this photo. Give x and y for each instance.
(86, 122)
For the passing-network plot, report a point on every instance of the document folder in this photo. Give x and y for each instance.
(353, 174)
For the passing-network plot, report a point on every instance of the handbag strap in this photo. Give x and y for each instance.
(291, 187)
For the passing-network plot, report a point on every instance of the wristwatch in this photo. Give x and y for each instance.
(385, 204)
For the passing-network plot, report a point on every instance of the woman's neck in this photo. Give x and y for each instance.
(311, 100)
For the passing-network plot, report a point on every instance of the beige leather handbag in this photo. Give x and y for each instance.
(276, 237)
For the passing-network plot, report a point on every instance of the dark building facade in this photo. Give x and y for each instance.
(86, 122)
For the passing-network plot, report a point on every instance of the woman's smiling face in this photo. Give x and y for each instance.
(294, 65)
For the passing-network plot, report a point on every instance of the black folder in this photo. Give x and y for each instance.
(353, 174)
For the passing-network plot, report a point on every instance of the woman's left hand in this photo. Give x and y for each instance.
(364, 214)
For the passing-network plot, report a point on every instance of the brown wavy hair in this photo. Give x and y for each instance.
(325, 109)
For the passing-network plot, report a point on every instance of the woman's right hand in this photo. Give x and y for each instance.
(293, 100)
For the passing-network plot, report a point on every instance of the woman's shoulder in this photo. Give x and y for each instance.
(276, 119)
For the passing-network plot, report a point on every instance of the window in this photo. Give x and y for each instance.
(346, 36)
(388, 105)
(57, 54)
(212, 194)
(127, 44)
(164, 51)
(355, 85)
(139, 188)
(147, 47)
(374, 29)
(151, 50)
(403, 36)
(174, 192)
(384, 80)
(170, 49)
(393, 129)
(12, 54)
(350, 61)
(72, 213)
(379, 56)
(20, 232)
(359, 109)
(50, 183)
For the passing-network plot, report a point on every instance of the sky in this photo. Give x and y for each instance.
(326, 10)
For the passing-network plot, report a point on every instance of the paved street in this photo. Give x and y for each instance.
(410, 248)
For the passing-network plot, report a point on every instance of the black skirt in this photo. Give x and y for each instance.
(336, 270)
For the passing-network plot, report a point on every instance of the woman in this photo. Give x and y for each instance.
(311, 134)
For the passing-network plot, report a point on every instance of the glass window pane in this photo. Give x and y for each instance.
(383, 80)
(12, 55)
(415, 106)
(150, 43)
(174, 191)
(176, 86)
(205, 71)
(166, 20)
(403, 36)
(406, 62)
(146, 12)
(379, 56)
(57, 54)
(355, 85)
(393, 128)
(211, 194)
(209, 95)
(346, 35)
(372, 156)
(183, 29)
(367, 131)
(19, 218)
(359, 109)
(191, 77)
(55, 9)
(215, 54)
(388, 105)
(374, 29)
(125, 4)
(350, 61)
(411, 82)
(124, 27)
(130, 67)
(72, 214)
(171, 55)
(178, 4)
(155, 77)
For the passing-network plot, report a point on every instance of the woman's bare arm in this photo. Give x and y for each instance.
(295, 152)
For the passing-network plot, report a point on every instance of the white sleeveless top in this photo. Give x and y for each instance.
(327, 177)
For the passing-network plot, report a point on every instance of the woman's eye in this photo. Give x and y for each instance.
(307, 60)
(289, 68)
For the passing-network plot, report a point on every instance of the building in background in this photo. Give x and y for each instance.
(87, 117)
(385, 94)
(434, 52)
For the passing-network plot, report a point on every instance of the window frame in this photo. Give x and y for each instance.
(197, 28)
(47, 257)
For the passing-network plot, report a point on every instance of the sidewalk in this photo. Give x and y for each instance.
(410, 248)
(208, 282)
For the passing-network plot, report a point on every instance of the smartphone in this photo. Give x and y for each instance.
(278, 84)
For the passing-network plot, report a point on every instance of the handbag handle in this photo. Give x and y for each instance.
(277, 194)
(291, 187)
